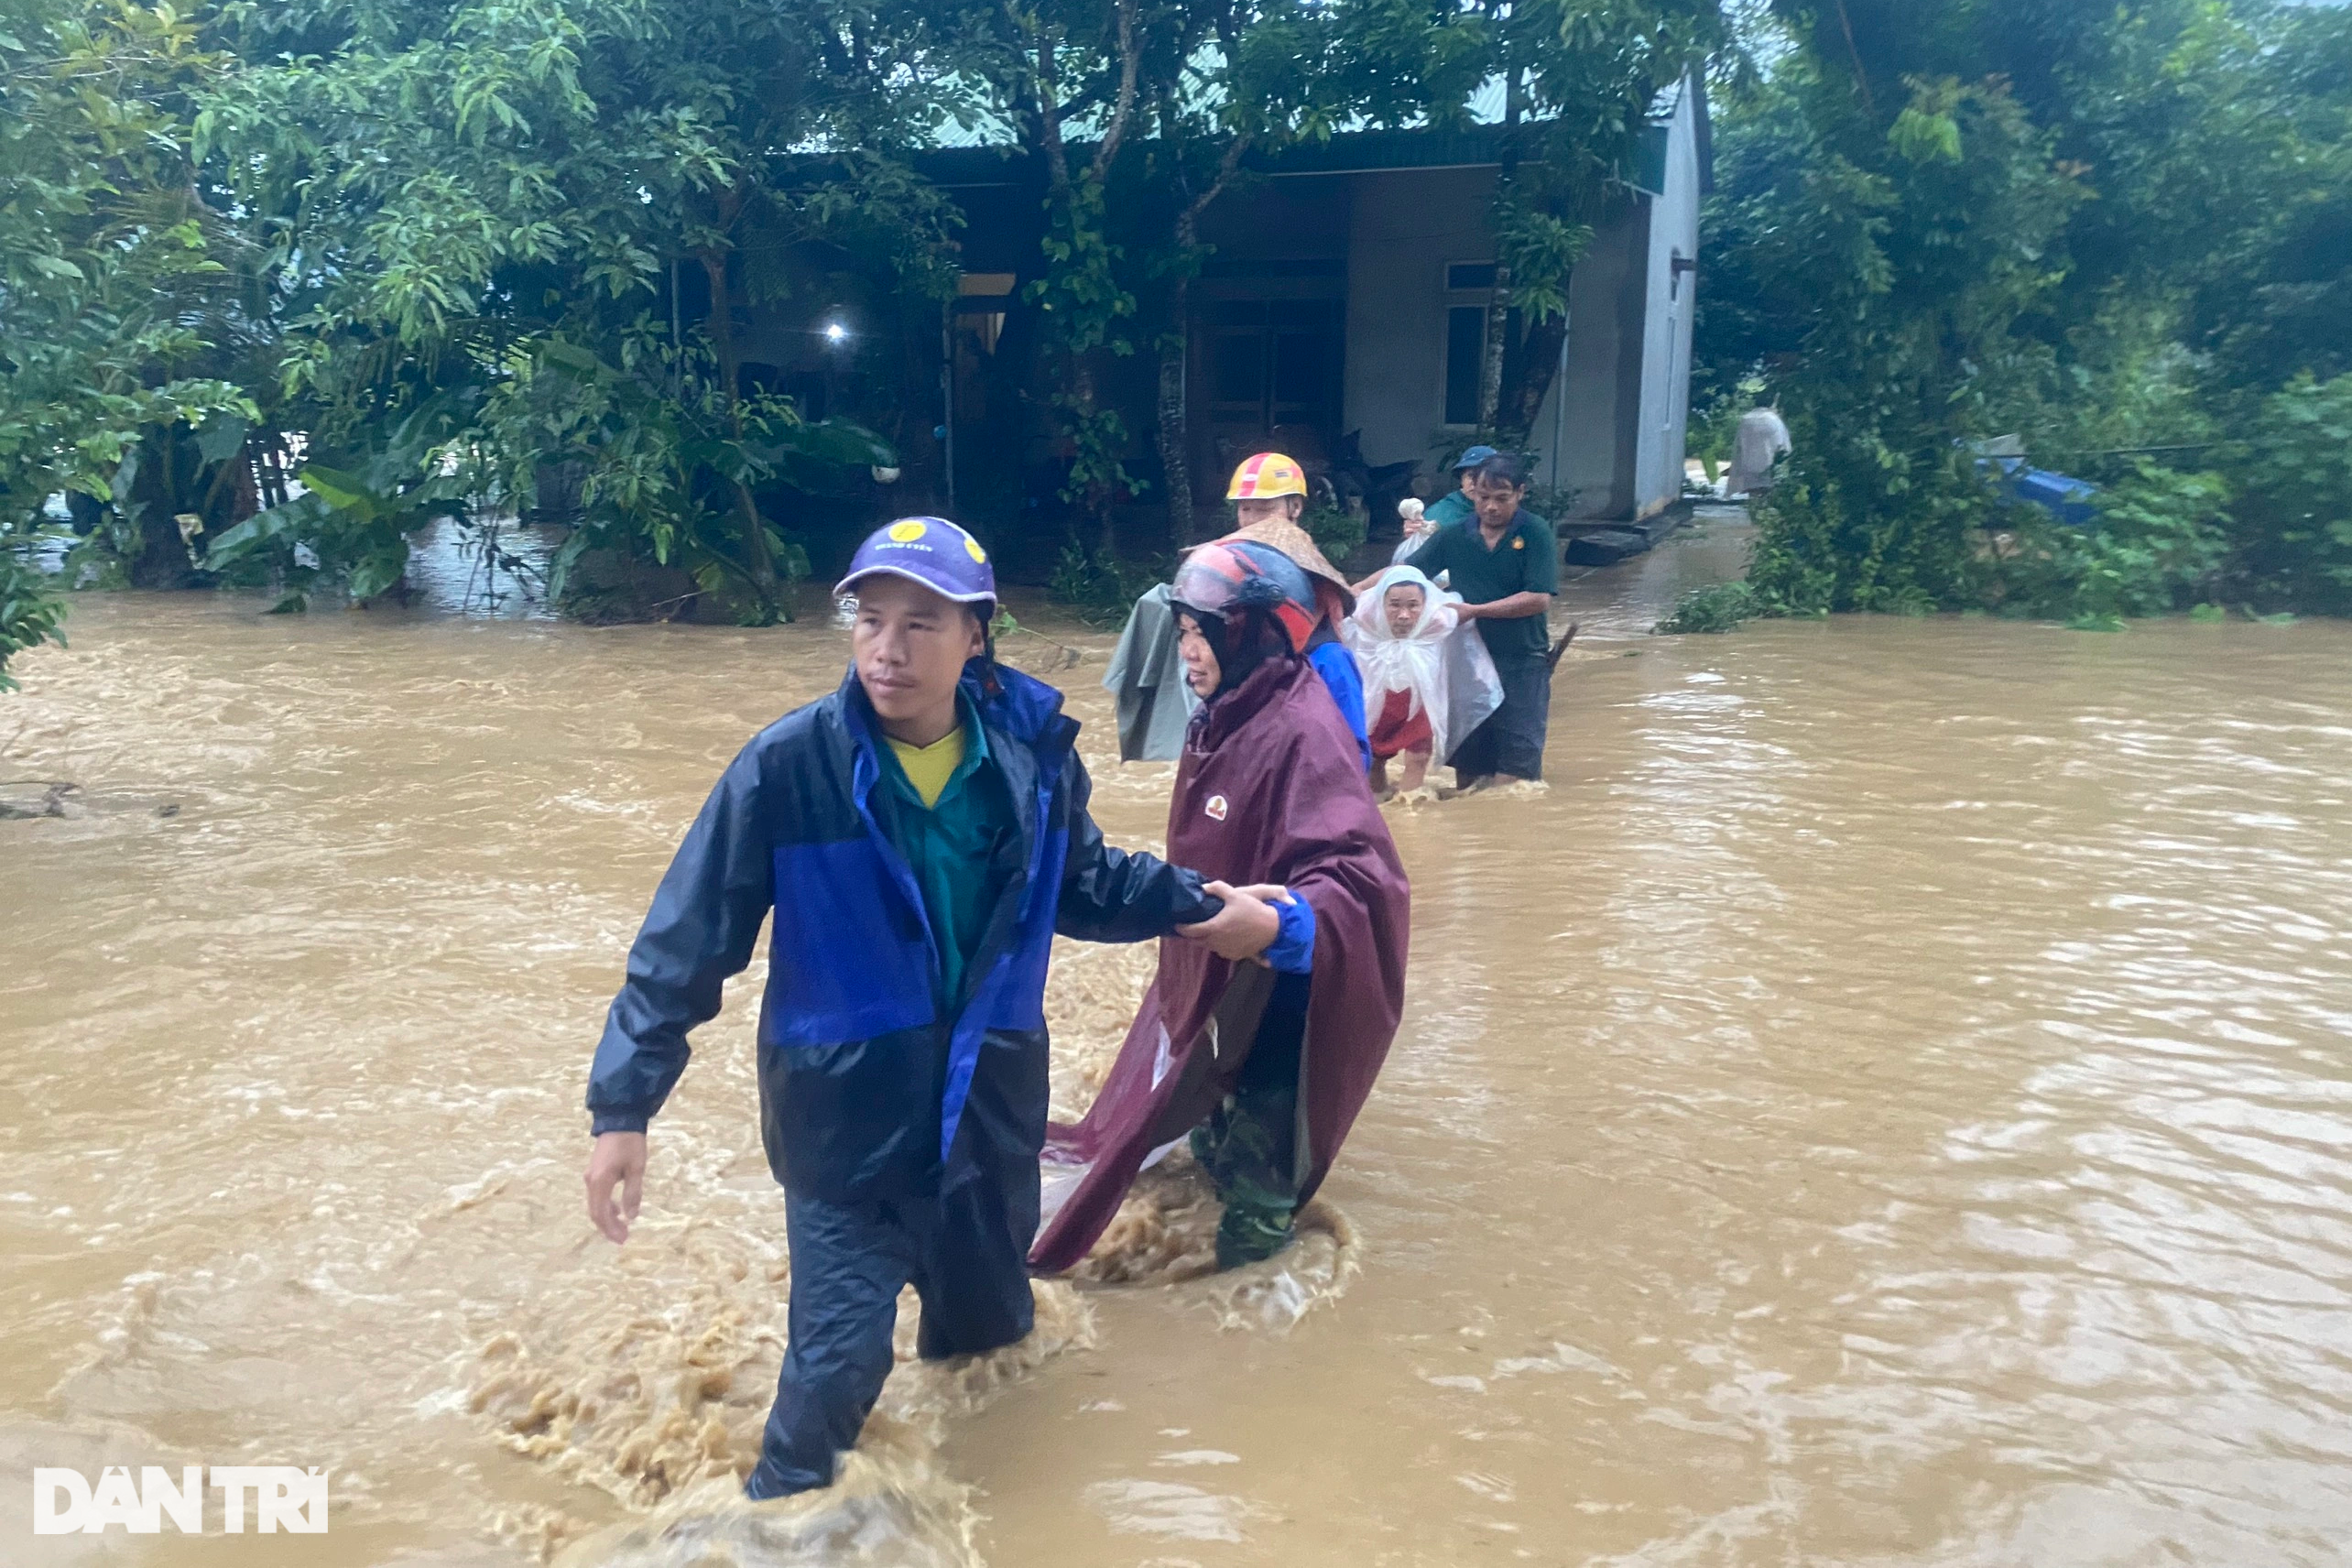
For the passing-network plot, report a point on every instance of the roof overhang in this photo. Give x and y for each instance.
(1360, 152)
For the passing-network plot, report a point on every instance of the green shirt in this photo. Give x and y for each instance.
(1452, 507)
(961, 849)
(1525, 560)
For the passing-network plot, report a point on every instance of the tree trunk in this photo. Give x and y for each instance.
(1096, 496)
(1490, 368)
(1064, 199)
(757, 560)
(1175, 417)
(164, 484)
(1498, 305)
(1529, 376)
(1175, 434)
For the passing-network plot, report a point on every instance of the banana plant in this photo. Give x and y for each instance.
(354, 519)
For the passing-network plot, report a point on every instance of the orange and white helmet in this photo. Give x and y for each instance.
(1230, 576)
(1266, 473)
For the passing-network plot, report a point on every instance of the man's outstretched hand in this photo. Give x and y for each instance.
(1245, 928)
(619, 1157)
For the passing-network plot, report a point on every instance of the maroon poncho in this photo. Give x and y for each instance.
(1271, 790)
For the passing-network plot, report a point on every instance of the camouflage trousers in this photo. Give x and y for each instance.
(1250, 1144)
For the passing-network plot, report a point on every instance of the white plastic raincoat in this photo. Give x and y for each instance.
(1447, 675)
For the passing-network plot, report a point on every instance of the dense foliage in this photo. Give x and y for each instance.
(281, 284)
(286, 281)
(2120, 233)
(486, 214)
(116, 317)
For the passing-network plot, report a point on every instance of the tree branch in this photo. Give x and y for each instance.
(1079, 103)
(1229, 37)
(1130, 63)
(1188, 223)
(1042, 80)
(1861, 77)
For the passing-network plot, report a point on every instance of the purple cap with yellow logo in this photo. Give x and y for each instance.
(929, 551)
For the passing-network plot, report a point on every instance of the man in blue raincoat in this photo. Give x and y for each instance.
(920, 835)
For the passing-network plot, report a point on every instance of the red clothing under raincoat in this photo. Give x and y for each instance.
(1270, 788)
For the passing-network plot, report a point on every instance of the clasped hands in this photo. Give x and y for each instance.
(1247, 924)
(1242, 929)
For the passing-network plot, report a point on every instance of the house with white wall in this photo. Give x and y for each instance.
(1346, 295)
(1419, 273)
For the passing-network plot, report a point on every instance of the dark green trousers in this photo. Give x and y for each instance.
(1250, 1144)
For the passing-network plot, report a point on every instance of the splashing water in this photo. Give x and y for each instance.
(1883, 1104)
(657, 1397)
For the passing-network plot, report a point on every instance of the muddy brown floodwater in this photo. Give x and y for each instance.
(1888, 1103)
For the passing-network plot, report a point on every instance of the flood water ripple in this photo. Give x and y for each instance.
(1887, 1104)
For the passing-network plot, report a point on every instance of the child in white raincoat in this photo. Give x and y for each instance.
(1424, 685)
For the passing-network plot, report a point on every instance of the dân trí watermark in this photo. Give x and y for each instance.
(283, 1497)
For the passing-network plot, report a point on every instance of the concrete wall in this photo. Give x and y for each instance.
(1665, 385)
(1619, 412)
(1594, 410)
(1622, 411)
(1407, 226)
(1297, 216)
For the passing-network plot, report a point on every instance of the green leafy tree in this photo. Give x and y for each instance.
(1579, 80)
(1144, 115)
(485, 199)
(2113, 232)
(1907, 242)
(108, 283)
(2156, 543)
(2294, 510)
(1061, 67)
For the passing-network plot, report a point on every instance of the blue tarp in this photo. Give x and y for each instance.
(2067, 499)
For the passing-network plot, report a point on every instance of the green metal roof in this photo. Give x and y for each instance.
(1357, 152)
(1360, 152)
